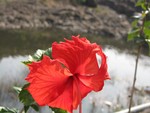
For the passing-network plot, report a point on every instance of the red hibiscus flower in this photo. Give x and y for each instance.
(77, 68)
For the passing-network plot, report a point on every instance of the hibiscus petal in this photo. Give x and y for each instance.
(79, 91)
(96, 82)
(33, 68)
(49, 80)
(72, 95)
(65, 99)
(79, 55)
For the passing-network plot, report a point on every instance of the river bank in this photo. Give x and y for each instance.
(101, 20)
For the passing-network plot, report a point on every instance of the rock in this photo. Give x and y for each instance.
(2, 25)
(126, 7)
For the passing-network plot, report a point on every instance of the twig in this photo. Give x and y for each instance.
(136, 65)
(134, 80)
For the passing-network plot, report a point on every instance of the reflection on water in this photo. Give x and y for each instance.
(121, 66)
(113, 96)
(12, 72)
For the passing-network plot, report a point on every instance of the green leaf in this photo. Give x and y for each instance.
(25, 97)
(38, 56)
(35, 107)
(147, 32)
(133, 34)
(17, 89)
(141, 3)
(26, 62)
(134, 23)
(48, 52)
(58, 110)
(139, 40)
(8, 110)
(143, 6)
(147, 24)
(26, 108)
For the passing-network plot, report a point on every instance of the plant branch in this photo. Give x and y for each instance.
(136, 65)
(134, 79)
(141, 33)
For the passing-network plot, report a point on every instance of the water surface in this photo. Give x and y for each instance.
(114, 93)
(15, 46)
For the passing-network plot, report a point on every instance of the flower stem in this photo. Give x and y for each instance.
(80, 108)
